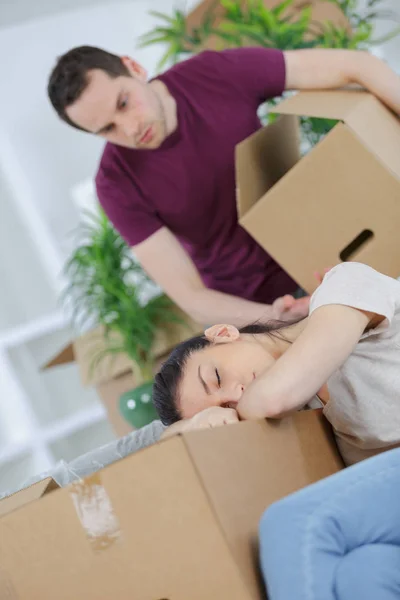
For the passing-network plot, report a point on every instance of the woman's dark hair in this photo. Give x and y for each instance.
(167, 380)
(69, 77)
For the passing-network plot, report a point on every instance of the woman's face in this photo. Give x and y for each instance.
(219, 374)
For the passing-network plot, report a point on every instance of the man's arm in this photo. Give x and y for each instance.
(330, 69)
(169, 265)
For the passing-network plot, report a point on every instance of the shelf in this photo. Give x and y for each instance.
(52, 433)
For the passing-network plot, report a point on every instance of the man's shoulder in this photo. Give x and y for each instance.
(247, 68)
(205, 62)
(220, 58)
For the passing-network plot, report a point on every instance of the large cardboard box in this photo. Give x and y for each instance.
(322, 11)
(339, 202)
(176, 521)
(114, 375)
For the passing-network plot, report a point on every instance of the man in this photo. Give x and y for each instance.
(166, 179)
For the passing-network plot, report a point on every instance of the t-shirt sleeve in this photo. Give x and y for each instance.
(126, 207)
(359, 286)
(258, 73)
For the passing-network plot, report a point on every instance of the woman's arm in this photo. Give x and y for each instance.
(328, 339)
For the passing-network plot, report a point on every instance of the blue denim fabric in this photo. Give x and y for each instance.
(338, 539)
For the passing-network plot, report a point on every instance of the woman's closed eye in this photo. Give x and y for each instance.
(218, 378)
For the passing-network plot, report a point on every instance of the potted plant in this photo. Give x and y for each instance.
(236, 23)
(107, 287)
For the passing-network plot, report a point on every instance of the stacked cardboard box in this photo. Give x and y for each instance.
(175, 521)
(114, 375)
(339, 202)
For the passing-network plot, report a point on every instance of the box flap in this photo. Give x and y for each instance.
(83, 351)
(64, 357)
(26, 495)
(337, 104)
(142, 528)
(264, 158)
(379, 130)
(87, 347)
(248, 466)
(376, 126)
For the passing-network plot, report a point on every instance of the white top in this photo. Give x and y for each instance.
(364, 404)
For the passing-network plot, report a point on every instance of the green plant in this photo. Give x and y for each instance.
(252, 23)
(107, 287)
(277, 27)
(173, 33)
(255, 24)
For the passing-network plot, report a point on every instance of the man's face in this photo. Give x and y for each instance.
(124, 110)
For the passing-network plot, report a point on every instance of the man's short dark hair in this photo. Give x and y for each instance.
(69, 77)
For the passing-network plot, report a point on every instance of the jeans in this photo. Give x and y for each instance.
(338, 539)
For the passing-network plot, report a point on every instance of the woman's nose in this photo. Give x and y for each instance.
(234, 393)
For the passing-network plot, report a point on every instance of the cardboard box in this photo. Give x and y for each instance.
(114, 374)
(322, 11)
(176, 521)
(339, 202)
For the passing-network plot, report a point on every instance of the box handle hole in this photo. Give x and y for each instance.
(356, 245)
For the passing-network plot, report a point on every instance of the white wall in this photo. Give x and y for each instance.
(391, 50)
(21, 273)
(14, 12)
(34, 145)
(41, 160)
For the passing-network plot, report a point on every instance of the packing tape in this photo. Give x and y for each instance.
(95, 512)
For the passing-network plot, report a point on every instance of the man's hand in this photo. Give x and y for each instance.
(215, 416)
(320, 276)
(288, 308)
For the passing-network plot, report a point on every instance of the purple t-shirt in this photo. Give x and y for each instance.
(188, 183)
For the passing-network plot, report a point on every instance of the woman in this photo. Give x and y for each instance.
(346, 352)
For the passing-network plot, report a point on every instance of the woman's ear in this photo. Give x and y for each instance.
(222, 334)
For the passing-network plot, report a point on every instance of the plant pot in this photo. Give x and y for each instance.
(136, 406)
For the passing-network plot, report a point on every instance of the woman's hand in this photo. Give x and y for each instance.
(215, 416)
(288, 308)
